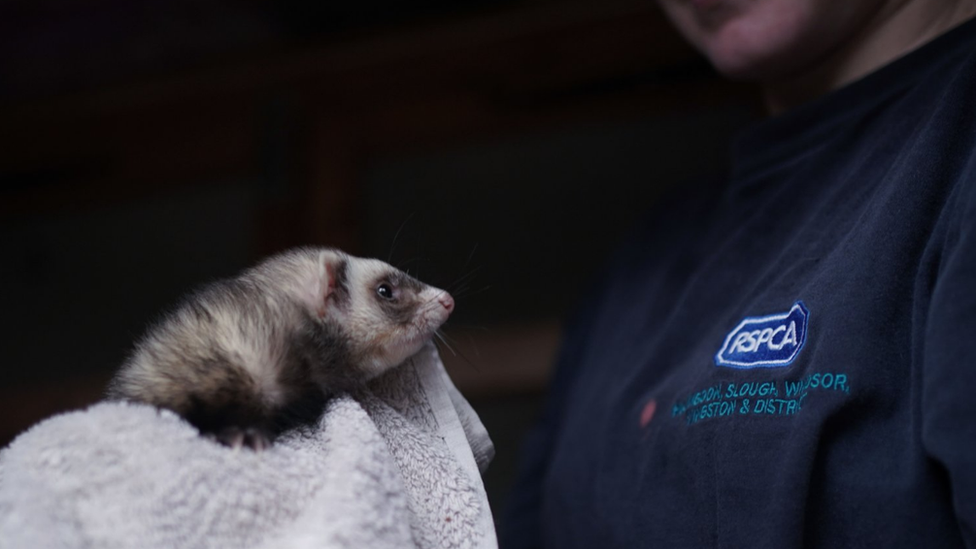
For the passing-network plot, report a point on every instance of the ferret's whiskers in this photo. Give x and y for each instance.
(397, 235)
(465, 278)
(440, 336)
(468, 293)
(443, 337)
(470, 257)
(474, 345)
(403, 264)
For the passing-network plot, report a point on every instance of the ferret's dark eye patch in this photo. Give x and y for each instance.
(385, 291)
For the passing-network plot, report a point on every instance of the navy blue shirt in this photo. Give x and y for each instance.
(788, 358)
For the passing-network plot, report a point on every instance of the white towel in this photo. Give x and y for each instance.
(397, 465)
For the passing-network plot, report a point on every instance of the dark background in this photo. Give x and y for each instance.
(147, 147)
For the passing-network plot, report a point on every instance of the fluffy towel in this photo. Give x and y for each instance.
(395, 466)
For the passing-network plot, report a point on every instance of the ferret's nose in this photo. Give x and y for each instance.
(447, 301)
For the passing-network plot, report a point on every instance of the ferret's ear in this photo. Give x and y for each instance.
(330, 275)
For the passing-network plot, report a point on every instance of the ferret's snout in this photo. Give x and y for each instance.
(447, 301)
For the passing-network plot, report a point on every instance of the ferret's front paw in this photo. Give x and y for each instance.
(255, 438)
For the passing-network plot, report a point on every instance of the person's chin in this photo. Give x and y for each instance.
(741, 56)
(742, 68)
(749, 41)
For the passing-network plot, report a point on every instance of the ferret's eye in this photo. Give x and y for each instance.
(385, 291)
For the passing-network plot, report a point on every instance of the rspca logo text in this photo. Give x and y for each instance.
(767, 341)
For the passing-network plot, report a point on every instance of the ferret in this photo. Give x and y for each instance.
(243, 359)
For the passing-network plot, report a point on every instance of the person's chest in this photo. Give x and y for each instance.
(764, 368)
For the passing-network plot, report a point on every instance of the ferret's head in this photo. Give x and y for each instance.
(382, 314)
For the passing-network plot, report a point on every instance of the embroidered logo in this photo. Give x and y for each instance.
(766, 341)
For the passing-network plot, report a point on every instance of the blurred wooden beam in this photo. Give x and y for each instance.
(550, 44)
(365, 95)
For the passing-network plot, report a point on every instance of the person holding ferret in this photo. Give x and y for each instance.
(782, 357)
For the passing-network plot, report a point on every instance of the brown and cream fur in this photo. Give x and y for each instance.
(244, 358)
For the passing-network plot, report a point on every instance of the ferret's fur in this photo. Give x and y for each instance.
(244, 358)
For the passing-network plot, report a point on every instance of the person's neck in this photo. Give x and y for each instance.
(893, 32)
